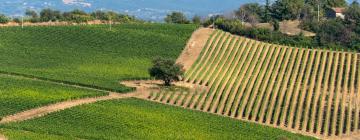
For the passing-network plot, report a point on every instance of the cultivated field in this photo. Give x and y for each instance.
(19, 94)
(313, 92)
(90, 55)
(43, 66)
(137, 119)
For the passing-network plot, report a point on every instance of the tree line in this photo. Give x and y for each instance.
(77, 16)
(331, 33)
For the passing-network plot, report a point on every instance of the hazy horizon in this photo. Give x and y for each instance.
(145, 9)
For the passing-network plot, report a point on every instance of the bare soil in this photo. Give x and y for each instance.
(289, 27)
(2, 137)
(194, 47)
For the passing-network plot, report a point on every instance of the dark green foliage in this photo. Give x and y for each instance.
(251, 12)
(352, 14)
(333, 33)
(77, 16)
(287, 9)
(47, 15)
(339, 34)
(267, 14)
(335, 3)
(166, 70)
(17, 20)
(196, 20)
(138, 119)
(276, 25)
(100, 15)
(266, 35)
(4, 19)
(33, 15)
(177, 18)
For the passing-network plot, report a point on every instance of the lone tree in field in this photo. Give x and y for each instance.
(166, 70)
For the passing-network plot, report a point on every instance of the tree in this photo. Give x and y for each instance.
(352, 14)
(34, 16)
(176, 17)
(100, 15)
(287, 9)
(196, 19)
(4, 19)
(166, 70)
(335, 3)
(267, 15)
(276, 25)
(50, 15)
(77, 16)
(251, 12)
(333, 32)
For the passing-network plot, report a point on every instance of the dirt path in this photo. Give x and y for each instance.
(42, 111)
(194, 47)
(2, 137)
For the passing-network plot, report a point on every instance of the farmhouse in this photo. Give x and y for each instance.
(335, 12)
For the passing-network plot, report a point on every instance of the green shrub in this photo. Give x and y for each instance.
(4, 19)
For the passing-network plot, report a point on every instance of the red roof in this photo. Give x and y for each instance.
(339, 10)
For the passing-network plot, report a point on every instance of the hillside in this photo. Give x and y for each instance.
(137, 119)
(58, 82)
(308, 91)
(90, 55)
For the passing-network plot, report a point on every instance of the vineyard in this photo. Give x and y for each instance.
(90, 55)
(308, 91)
(19, 94)
(138, 119)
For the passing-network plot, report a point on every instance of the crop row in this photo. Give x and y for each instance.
(304, 90)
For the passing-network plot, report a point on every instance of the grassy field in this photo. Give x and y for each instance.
(138, 119)
(18, 94)
(91, 55)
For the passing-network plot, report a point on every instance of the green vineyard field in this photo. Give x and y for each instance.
(308, 91)
(138, 119)
(90, 54)
(19, 94)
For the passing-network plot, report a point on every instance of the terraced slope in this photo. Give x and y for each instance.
(313, 92)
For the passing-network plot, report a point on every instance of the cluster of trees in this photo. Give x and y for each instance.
(78, 16)
(180, 18)
(337, 33)
(286, 10)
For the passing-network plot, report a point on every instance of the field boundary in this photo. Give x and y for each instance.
(45, 110)
(59, 82)
(194, 47)
(2, 137)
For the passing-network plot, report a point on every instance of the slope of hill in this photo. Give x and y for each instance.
(137, 119)
(96, 56)
(19, 94)
(309, 91)
(90, 55)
